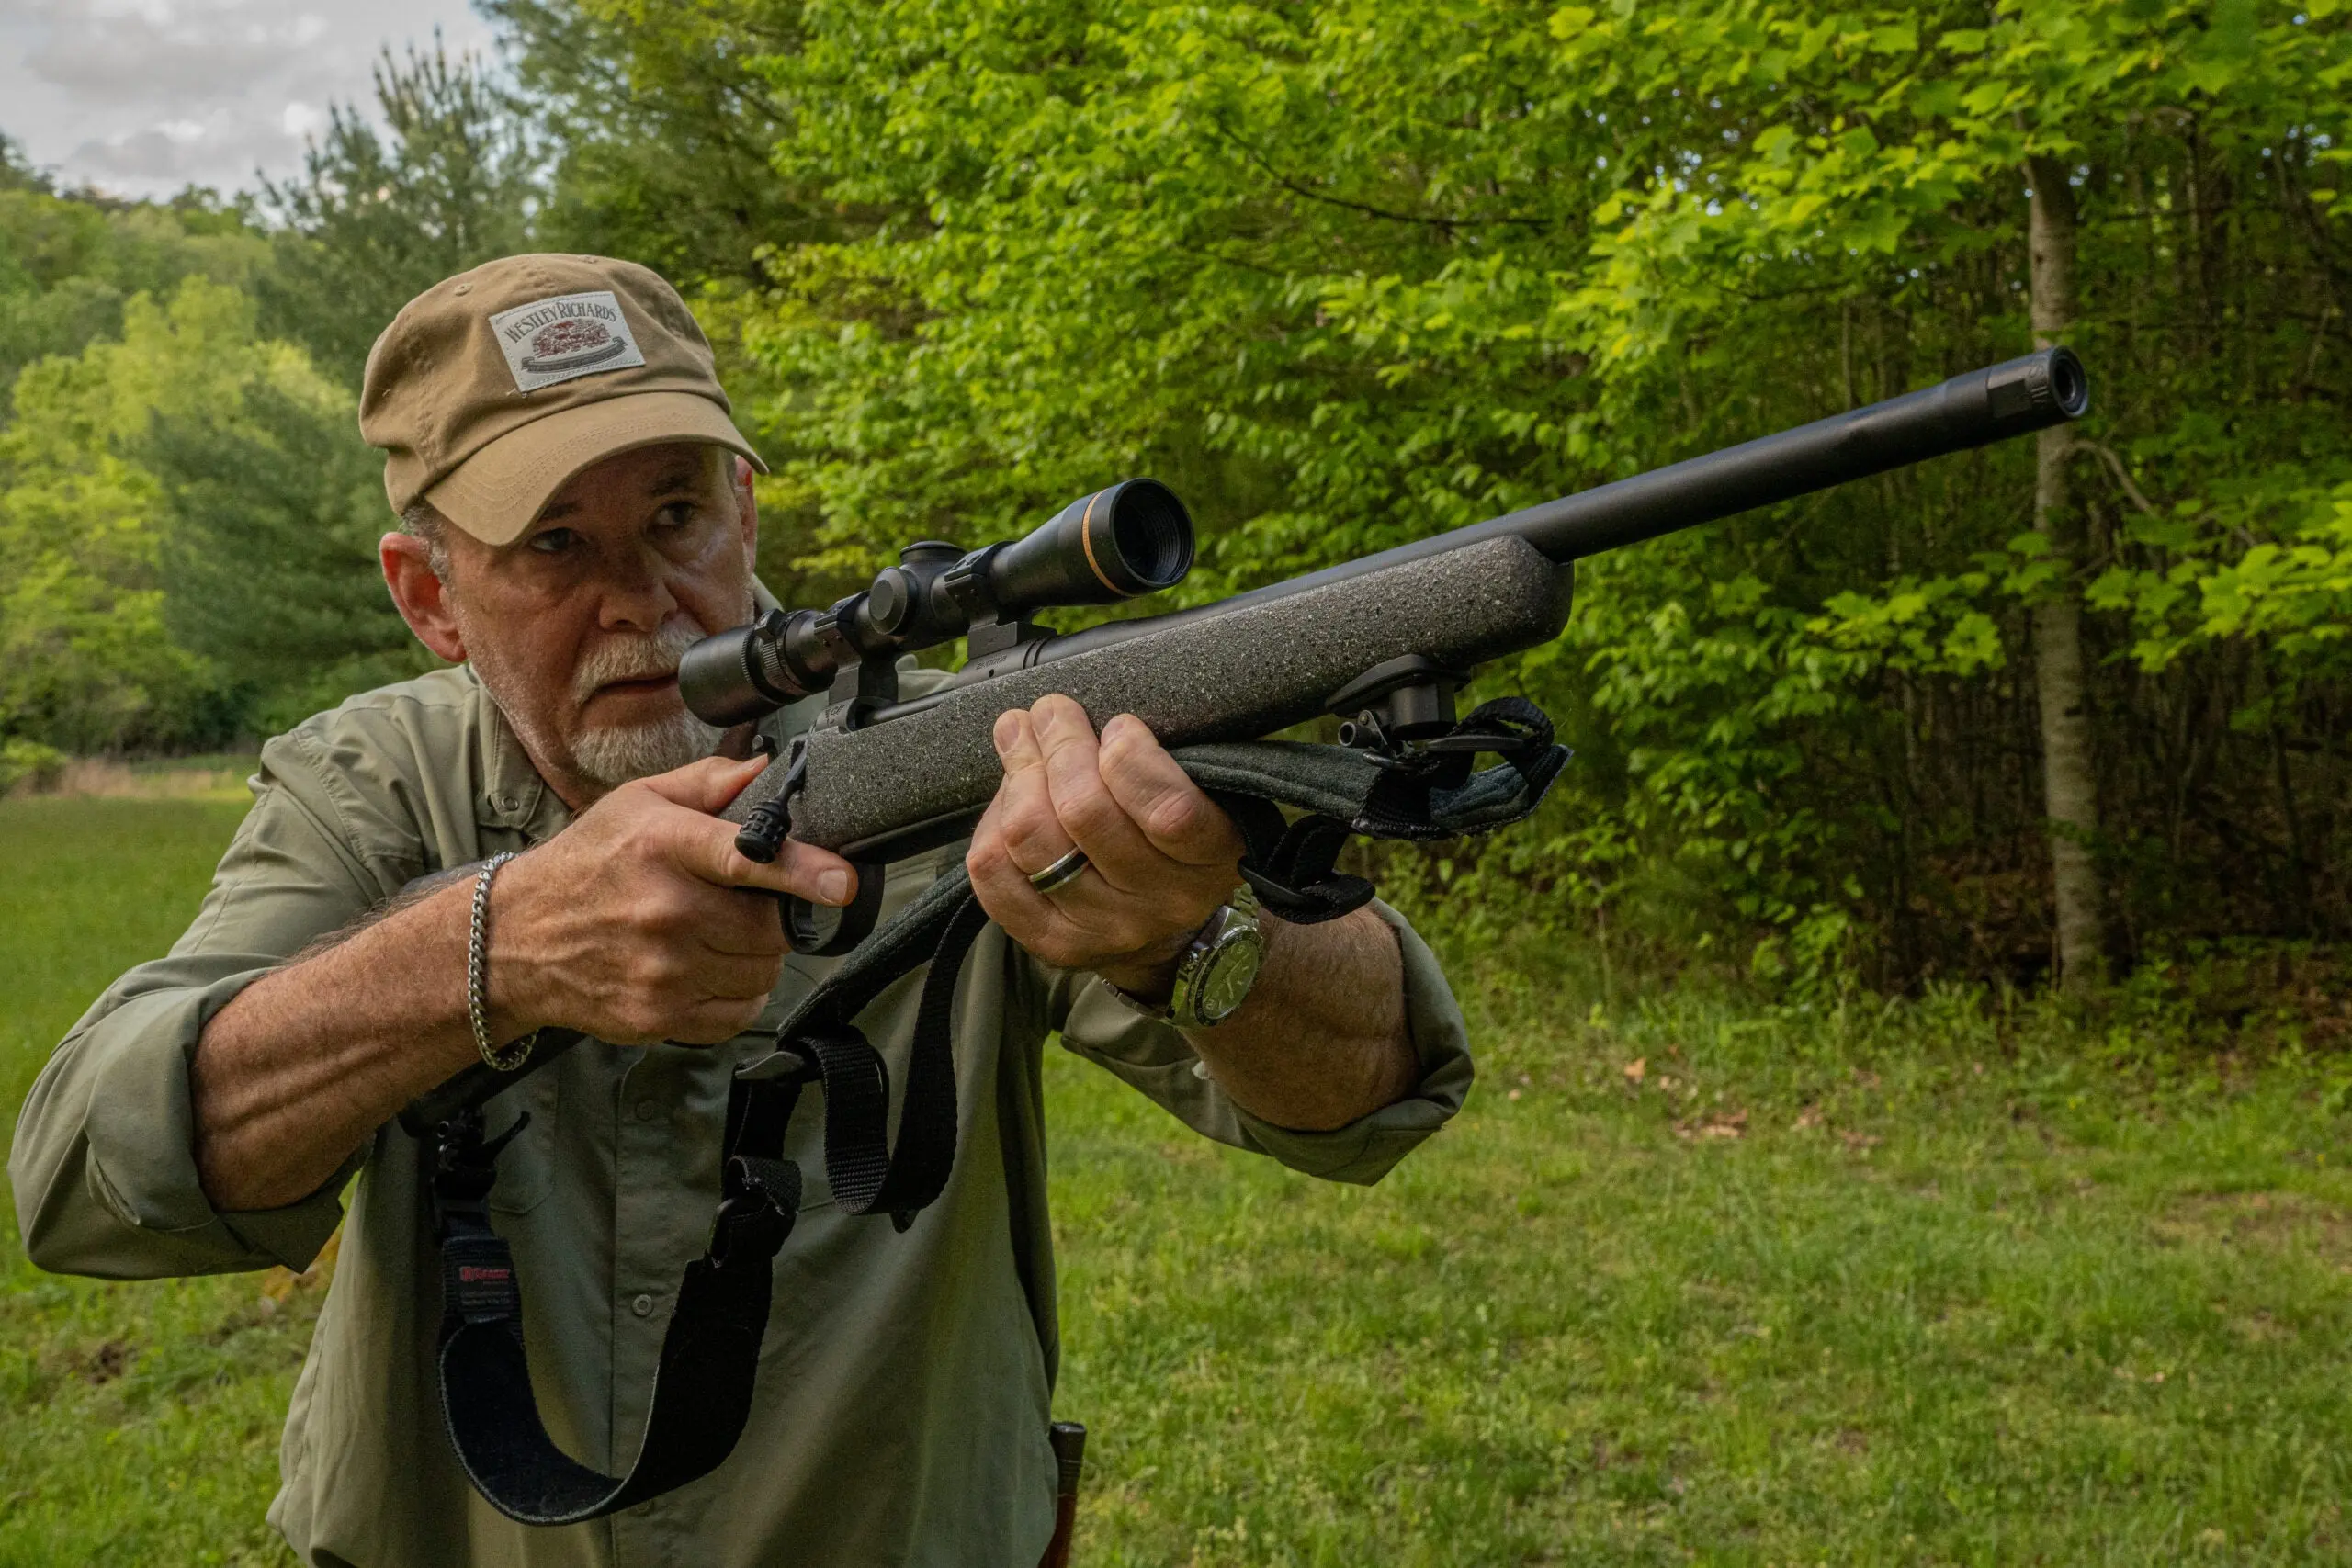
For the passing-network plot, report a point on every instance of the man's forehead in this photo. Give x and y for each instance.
(650, 474)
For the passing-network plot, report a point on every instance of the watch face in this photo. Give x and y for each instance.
(1227, 973)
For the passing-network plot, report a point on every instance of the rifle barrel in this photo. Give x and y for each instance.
(1982, 406)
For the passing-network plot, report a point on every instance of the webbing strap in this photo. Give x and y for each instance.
(869, 1176)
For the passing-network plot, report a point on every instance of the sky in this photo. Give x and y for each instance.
(141, 97)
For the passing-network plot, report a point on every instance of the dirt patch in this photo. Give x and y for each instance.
(2268, 1221)
(144, 780)
(106, 1363)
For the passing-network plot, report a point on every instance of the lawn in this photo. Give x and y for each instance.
(1947, 1281)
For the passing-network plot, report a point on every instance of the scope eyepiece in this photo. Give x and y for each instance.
(737, 675)
(1135, 537)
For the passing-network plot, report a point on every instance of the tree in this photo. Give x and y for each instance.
(18, 171)
(68, 263)
(273, 508)
(664, 127)
(2070, 780)
(374, 219)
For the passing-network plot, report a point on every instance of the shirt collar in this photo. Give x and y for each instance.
(513, 795)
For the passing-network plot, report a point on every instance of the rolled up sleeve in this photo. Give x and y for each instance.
(104, 1157)
(1156, 1059)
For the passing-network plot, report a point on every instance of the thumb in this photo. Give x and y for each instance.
(705, 786)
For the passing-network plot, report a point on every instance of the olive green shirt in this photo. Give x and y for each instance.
(902, 1405)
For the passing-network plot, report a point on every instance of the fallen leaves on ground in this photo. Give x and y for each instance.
(1722, 1124)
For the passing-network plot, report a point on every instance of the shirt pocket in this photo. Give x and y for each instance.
(526, 1166)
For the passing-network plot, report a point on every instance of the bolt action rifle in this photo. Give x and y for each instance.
(1384, 642)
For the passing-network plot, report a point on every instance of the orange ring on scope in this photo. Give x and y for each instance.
(1086, 542)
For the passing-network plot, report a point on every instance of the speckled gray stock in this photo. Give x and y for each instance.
(1232, 677)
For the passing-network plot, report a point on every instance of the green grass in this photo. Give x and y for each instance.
(1948, 1282)
(138, 1423)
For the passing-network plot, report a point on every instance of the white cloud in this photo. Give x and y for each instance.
(144, 97)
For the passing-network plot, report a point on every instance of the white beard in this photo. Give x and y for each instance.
(610, 755)
(607, 756)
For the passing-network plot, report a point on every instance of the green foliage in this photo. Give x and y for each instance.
(661, 133)
(274, 507)
(28, 762)
(1350, 274)
(68, 263)
(186, 522)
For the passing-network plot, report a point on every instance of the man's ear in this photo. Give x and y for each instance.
(748, 505)
(420, 596)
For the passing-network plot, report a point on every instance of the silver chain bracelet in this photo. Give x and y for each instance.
(478, 977)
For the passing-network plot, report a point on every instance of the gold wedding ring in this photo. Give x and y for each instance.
(1061, 873)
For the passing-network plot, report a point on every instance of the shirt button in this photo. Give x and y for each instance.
(648, 1110)
(642, 1306)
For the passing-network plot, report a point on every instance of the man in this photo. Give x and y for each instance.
(577, 510)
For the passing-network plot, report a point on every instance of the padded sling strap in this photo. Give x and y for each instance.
(710, 1354)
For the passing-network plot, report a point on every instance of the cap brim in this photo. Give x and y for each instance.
(495, 494)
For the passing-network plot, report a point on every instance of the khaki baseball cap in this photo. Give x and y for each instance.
(491, 388)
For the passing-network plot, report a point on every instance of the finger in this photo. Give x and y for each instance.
(1029, 917)
(705, 846)
(1021, 815)
(743, 923)
(707, 787)
(1083, 804)
(1172, 811)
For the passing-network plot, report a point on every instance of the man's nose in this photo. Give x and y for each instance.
(636, 595)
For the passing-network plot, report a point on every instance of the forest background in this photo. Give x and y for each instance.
(1347, 274)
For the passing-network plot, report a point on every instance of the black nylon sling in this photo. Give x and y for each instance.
(702, 1387)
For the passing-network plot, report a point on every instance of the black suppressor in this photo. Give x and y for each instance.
(1135, 537)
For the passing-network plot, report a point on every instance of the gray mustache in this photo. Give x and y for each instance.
(634, 656)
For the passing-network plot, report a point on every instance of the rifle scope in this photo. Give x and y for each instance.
(1135, 537)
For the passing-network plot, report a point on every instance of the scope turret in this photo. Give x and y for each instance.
(1135, 537)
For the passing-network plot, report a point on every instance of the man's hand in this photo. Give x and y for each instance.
(1161, 856)
(635, 924)
(640, 922)
(1321, 1040)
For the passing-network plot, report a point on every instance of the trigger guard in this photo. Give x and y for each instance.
(857, 922)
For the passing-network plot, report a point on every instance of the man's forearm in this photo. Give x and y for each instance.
(304, 1064)
(1322, 1039)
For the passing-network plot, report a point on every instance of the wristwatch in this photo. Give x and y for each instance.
(1216, 969)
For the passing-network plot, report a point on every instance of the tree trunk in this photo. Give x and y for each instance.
(2069, 782)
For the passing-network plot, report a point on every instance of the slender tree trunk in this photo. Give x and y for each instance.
(2069, 783)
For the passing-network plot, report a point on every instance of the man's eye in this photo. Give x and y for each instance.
(554, 541)
(677, 514)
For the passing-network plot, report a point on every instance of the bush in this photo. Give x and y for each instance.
(29, 762)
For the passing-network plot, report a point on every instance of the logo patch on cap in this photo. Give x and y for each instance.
(549, 341)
